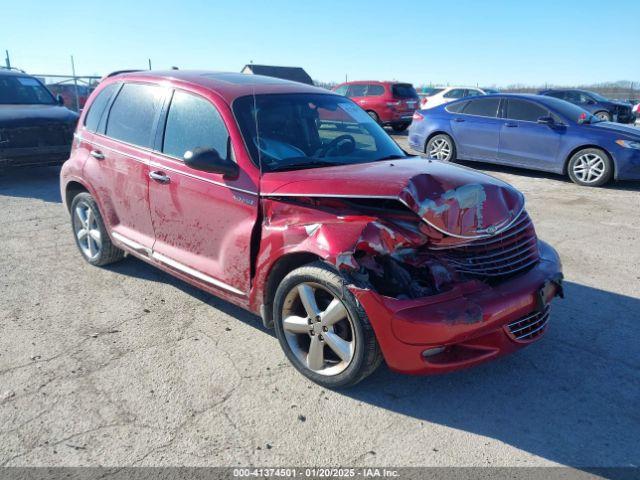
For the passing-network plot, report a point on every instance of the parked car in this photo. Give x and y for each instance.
(35, 128)
(388, 103)
(596, 104)
(68, 93)
(444, 95)
(290, 201)
(529, 131)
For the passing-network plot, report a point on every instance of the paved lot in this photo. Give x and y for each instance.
(127, 365)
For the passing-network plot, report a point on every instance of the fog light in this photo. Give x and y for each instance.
(430, 352)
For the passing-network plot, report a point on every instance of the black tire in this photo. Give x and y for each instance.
(400, 127)
(107, 252)
(366, 356)
(575, 172)
(603, 115)
(374, 115)
(442, 137)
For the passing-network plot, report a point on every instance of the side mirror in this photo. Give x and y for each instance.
(591, 102)
(60, 100)
(209, 160)
(546, 121)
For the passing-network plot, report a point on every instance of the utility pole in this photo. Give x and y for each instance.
(7, 61)
(149, 64)
(75, 82)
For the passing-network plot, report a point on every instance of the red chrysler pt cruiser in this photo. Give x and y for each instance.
(291, 202)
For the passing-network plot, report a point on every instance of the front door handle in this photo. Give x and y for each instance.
(97, 154)
(458, 120)
(510, 124)
(159, 177)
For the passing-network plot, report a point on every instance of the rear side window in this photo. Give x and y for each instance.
(133, 113)
(375, 90)
(455, 93)
(357, 91)
(193, 122)
(92, 120)
(483, 107)
(524, 110)
(456, 107)
(403, 90)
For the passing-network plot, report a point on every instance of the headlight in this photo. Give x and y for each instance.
(628, 144)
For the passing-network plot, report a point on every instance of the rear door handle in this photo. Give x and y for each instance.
(97, 154)
(159, 177)
(458, 120)
(510, 124)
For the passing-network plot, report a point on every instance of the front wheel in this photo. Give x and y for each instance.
(605, 116)
(323, 330)
(90, 232)
(590, 167)
(441, 147)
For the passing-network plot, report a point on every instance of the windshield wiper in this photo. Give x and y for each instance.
(391, 157)
(307, 164)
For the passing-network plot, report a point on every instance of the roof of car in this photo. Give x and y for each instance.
(228, 85)
(12, 73)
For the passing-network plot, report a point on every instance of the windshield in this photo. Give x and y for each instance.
(23, 91)
(304, 130)
(597, 97)
(571, 111)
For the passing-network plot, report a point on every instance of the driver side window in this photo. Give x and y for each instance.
(193, 122)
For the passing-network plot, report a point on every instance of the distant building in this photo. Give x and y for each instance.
(295, 74)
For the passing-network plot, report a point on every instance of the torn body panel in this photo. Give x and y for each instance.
(414, 298)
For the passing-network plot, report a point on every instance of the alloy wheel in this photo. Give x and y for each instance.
(87, 231)
(603, 116)
(589, 168)
(318, 329)
(440, 149)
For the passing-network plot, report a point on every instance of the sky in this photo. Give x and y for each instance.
(485, 43)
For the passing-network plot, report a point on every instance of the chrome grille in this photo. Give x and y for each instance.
(530, 327)
(506, 253)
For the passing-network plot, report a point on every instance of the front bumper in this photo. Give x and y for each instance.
(627, 162)
(53, 155)
(470, 321)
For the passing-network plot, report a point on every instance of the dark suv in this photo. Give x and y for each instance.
(35, 128)
(603, 108)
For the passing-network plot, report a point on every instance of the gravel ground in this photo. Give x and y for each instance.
(128, 366)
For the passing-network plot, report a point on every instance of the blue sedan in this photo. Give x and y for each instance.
(529, 131)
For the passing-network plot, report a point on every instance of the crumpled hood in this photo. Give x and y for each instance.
(13, 116)
(454, 200)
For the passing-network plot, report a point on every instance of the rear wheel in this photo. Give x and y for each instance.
(441, 147)
(400, 127)
(606, 116)
(590, 167)
(323, 330)
(374, 115)
(90, 233)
